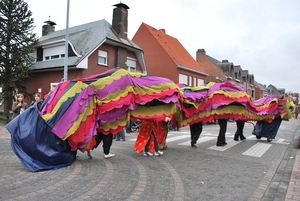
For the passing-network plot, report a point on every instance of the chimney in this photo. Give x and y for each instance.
(199, 53)
(120, 20)
(48, 27)
(163, 31)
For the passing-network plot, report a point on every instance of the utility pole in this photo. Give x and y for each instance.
(66, 44)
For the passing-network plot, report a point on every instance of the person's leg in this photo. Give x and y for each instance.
(146, 150)
(157, 152)
(118, 136)
(240, 128)
(155, 141)
(107, 142)
(123, 134)
(221, 137)
(98, 138)
(236, 135)
(196, 130)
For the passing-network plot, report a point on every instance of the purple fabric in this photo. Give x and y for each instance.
(113, 115)
(263, 100)
(126, 81)
(77, 107)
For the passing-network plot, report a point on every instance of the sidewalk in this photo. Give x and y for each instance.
(293, 192)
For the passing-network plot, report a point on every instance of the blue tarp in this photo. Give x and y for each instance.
(35, 145)
(265, 129)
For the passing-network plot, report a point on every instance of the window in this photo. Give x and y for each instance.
(53, 52)
(102, 57)
(131, 64)
(200, 82)
(183, 79)
(53, 85)
(55, 56)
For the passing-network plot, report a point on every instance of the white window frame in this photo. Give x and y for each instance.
(183, 79)
(200, 82)
(102, 55)
(131, 64)
(53, 85)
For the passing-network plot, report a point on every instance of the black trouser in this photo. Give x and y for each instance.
(196, 130)
(223, 127)
(107, 141)
(240, 127)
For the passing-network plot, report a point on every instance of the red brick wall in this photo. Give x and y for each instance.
(43, 79)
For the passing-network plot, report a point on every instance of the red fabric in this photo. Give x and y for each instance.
(147, 126)
(79, 135)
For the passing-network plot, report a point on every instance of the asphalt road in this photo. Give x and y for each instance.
(249, 170)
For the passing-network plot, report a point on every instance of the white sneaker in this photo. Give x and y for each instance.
(110, 155)
(147, 154)
(158, 153)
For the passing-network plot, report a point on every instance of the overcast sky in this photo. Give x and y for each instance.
(262, 36)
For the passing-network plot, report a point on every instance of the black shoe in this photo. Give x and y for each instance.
(243, 138)
(221, 144)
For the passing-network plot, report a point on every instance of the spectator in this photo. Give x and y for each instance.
(19, 105)
(121, 135)
(37, 98)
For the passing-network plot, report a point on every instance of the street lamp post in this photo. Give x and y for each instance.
(66, 44)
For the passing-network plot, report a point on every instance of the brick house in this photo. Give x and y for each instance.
(166, 57)
(209, 64)
(260, 90)
(225, 71)
(92, 48)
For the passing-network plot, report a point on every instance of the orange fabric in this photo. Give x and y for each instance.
(161, 132)
(147, 126)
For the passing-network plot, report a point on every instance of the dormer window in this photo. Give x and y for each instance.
(56, 56)
(102, 57)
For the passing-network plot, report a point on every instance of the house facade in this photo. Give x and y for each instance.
(260, 90)
(93, 48)
(166, 57)
(209, 64)
(226, 71)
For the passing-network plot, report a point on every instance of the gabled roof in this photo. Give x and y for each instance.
(210, 67)
(261, 86)
(174, 49)
(237, 69)
(85, 39)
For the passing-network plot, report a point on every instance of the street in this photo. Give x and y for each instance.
(253, 169)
